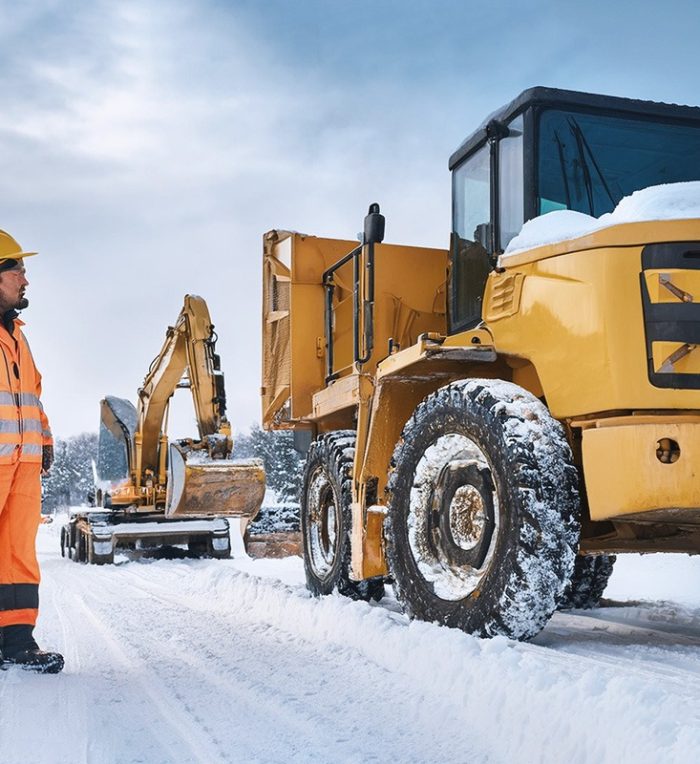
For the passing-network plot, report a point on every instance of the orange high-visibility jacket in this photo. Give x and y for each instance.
(24, 427)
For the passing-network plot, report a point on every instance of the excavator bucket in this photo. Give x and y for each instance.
(213, 487)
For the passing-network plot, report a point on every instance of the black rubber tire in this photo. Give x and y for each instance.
(80, 550)
(224, 554)
(327, 482)
(588, 581)
(199, 548)
(534, 535)
(64, 541)
(97, 559)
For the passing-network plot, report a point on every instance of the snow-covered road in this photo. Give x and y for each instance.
(233, 661)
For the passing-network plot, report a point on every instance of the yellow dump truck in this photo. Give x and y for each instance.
(490, 424)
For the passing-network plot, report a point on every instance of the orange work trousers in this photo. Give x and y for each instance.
(20, 513)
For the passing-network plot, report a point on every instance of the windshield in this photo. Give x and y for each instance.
(589, 162)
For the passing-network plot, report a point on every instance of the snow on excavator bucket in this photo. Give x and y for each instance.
(214, 487)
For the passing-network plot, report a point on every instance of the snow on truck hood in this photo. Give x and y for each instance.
(672, 201)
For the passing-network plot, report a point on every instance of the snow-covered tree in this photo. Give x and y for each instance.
(71, 477)
(112, 456)
(283, 470)
(283, 464)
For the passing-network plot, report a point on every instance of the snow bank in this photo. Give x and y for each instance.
(662, 577)
(672, 201)
(159, 653)
(523, 702)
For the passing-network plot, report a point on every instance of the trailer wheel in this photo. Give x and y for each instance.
(482, 524)
(64, 542)
(97, 559)
(223, 552)
(80, 549)
(326, 519)
(198, 548)
(588, 581)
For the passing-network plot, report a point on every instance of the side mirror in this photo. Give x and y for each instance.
(374, 225)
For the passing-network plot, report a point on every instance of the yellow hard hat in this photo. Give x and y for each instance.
(10, 249)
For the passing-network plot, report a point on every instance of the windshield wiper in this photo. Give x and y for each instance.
(562, 164)
(582, 146)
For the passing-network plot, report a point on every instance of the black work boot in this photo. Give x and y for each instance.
(19, 648)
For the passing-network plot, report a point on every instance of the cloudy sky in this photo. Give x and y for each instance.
(147, 146)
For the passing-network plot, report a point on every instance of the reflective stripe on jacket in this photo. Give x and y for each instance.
(24, 427)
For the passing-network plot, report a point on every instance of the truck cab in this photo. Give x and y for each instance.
(553, 150)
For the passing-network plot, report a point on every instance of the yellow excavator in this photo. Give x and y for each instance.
(175, 494)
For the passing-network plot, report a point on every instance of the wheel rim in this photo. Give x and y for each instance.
(453, 517)
(323, 525)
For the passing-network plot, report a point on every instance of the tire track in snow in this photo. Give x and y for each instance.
(492, 682)
(51, 699)
(131, 679)
(668, 657)
(563, 629)
(111, 716)
(535, 691)
(192, 736)
(71, 696)
(668, 619)
(233, 685)
(622, 630)
(238, 655)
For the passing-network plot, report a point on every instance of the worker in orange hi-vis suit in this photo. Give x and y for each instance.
(26, 449)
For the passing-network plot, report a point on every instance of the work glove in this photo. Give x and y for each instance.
(46, 458)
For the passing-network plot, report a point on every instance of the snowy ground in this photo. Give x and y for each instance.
(206, 661)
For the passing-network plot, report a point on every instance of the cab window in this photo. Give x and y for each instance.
(471, 220)
(511, 187)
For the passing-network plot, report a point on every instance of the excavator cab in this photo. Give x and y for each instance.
(115, 444)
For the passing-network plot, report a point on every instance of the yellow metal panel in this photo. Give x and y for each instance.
(276, 362)
(307, 368)
(432, 358)
(409, 297)
(409, 300)
(367, 550)
(623, 474)
(400, 360)
(502, 298)
(673, 285)
(580, 324)
(339, 395)
(293, 322)
(637, 418)
(470, 338)
(310, 257)
(623, 235)
(675, 358)
(373, 559)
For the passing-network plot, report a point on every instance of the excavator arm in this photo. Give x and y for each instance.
(187, 359)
